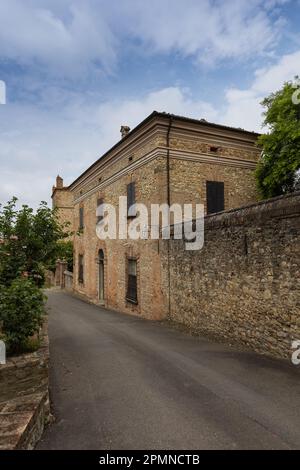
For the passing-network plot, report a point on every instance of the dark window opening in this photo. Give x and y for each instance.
(214, 196)
(81, 221)
(100, 213)
(80, 269)
(131, 295)
(131, 211)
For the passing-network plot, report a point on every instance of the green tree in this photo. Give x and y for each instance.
(278, 170)
(64, 251)
(28, 241)
(21, 314)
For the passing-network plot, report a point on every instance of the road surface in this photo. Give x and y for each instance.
(121, 382)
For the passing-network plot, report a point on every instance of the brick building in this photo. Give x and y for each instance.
(165, 159)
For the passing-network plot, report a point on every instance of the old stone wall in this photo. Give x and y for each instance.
(24, 397)
(68, 280)
(62, 199)
(243, 286)
(188, 183)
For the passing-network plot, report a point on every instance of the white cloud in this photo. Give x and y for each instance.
(207, 30)
(71, 38)
(243, 107)
(65, 40)
(35, 145)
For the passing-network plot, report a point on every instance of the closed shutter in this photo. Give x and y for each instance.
(131, 198)
(214, 196)
(80, 268)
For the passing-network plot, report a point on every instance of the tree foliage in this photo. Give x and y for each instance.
(64, 251)
(278, 170)
(28, 241)
(22, 307)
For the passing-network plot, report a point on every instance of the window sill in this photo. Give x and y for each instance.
(131, 301)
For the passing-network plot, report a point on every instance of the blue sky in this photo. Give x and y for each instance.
(76, 70)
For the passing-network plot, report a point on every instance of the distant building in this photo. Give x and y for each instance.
(62, 199)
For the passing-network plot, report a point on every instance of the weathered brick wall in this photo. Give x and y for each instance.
(188, 183)
(143, 160)
(150, 299)
(244, 284)
(62, 198)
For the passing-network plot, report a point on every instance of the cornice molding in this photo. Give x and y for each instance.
(174, 154)
(157, 123)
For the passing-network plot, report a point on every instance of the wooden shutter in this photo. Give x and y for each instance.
(214, 196)
(131, 197)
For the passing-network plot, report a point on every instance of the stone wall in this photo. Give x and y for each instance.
(243, 286)
(24, 397)
(61, 267)
(188, 183)
(68, 280)
(62, 199)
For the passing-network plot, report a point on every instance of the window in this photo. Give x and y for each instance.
(80, 269)
(81, 221)
(100, 213)
(131, 199)
(132, 281)
(214, 196)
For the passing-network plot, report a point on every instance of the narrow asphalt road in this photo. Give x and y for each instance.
(121, 382)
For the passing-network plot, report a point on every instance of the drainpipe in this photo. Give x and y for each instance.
(168, 161)
(169, 204)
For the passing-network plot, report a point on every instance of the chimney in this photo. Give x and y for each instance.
(124, 131)
(59, 182)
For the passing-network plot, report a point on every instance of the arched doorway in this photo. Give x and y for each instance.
(101, 275)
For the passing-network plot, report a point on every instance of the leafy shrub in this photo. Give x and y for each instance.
(279, 167)
(64, 251)
(29, 241)
(21, 312)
